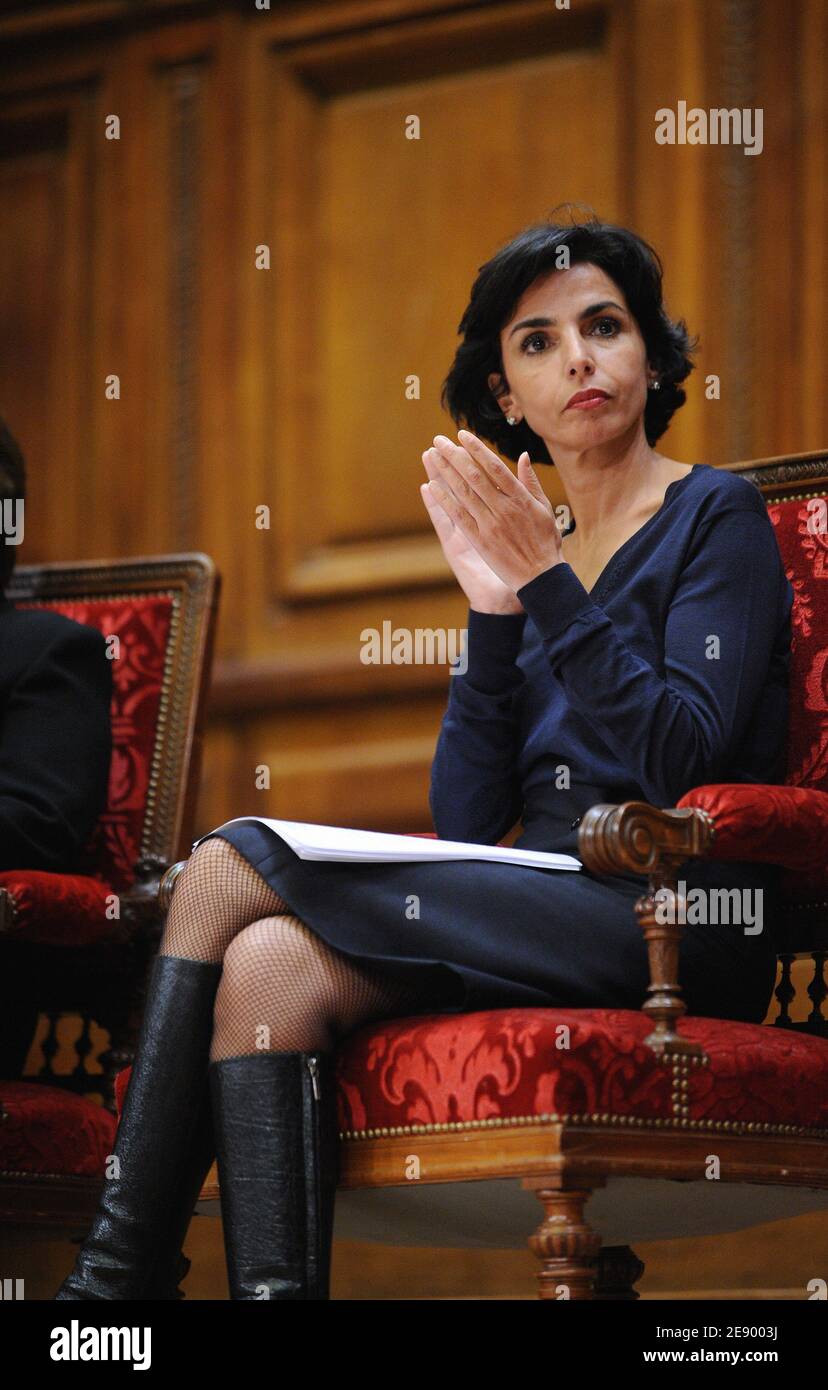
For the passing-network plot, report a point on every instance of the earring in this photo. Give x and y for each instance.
(511, 420)
(655, 386)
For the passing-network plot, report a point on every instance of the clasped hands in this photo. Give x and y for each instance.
(509, 520)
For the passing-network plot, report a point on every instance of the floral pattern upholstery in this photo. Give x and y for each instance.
(50, 1131)
(59, 909)
(508, 1066)
(804, 550)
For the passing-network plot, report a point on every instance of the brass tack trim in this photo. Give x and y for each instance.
(658, 1122)
(165, 742)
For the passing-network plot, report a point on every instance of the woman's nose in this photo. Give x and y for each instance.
(578, 367)
(576, 356)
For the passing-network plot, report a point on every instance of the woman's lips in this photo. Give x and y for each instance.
(590, 404)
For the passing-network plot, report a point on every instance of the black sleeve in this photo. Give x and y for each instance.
(55, 750)
(475, 793)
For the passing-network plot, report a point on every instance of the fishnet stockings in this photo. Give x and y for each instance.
(282, 988)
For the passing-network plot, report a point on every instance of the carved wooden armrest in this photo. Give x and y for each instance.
(640, 839)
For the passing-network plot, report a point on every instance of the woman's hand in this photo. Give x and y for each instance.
(507, 523)
(484, 591)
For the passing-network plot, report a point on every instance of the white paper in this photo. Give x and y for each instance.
(337, 842)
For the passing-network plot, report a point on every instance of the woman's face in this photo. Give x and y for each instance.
(585, 338)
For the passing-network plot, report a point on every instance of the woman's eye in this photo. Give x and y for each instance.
(533, 337)
(613, 322)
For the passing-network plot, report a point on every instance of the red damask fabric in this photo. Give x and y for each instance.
(46, 1130)
(802, 536)
(59, 909)
(772, 825)
(508, 1063)
(511, 1063)
(789, 825)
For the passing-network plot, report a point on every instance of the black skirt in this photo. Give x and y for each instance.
(477, 935)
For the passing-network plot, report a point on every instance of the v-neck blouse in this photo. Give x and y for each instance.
(610, 565)
(670, 673)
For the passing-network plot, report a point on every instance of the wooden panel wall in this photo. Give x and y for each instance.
(284, 388)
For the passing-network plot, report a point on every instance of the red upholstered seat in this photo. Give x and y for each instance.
(53, 1132)
(58, 909)
(504, 1066)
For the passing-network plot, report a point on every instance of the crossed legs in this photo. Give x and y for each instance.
(282, 987)
(240, 978)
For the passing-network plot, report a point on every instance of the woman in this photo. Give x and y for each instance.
(641, 653)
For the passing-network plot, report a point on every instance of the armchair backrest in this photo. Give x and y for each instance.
(162, 611)
(795, 488)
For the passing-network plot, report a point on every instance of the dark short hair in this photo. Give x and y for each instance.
(12, 485)
(628, 260)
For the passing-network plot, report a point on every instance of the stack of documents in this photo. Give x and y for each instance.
(337, 842)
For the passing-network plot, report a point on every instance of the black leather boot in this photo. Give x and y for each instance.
(160, 1142)
(277, 1145)
(172, 1265)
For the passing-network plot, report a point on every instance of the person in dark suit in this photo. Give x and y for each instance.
(55, 739)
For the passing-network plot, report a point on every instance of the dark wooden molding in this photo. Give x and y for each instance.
(26, 22)
(316, 678)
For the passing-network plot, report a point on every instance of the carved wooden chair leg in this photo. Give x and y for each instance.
(617, 1269)
(564, 1241)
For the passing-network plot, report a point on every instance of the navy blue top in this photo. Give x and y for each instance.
(670, 673)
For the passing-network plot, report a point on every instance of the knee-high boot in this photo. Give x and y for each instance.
(172, 1265)
(161, 1142)
(277, 1147)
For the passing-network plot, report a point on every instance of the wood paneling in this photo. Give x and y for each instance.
(46, 188)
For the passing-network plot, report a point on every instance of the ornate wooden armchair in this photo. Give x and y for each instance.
(86, 940)
(452, 1125)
